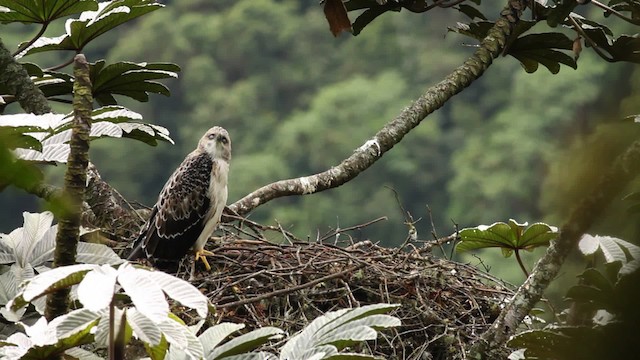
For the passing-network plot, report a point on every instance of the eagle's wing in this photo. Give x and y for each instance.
(179, 216)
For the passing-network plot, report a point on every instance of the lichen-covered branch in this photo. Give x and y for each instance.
(393, 132)
(75, 180)
(15, 77)
(624, 169)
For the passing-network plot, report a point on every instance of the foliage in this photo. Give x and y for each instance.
(548, 48)
(608, 301)
(28, 251)
(98, 288)
(324, 337)
(148, 318)
(510, 238)
(45, 137)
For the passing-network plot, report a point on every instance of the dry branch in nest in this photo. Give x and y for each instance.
(445, 305)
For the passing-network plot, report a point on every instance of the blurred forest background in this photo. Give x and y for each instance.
(297, 101)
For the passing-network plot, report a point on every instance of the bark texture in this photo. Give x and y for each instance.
(75, 180)
(393, 132)
(624, 169)
(15, 77)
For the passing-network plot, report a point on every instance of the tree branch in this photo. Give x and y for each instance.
(75, 180)
(624, 169)
(393, 132)
(17, 80)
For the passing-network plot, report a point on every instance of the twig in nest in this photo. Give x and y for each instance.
(350, 228)
(289, 290)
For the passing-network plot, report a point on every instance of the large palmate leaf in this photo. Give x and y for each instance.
(531, 49)
(508, 237)
(325, 336)
(129, 79)
(91, 24)
(43, 11)
(54, 131)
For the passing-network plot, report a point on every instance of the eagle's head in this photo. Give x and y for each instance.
(217, 143)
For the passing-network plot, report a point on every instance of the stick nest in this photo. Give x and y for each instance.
(446, 306)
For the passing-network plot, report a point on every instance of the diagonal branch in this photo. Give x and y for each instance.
(393, 132)
(624, 169)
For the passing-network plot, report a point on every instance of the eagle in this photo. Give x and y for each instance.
(189, 206)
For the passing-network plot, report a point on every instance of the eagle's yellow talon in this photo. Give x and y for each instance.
(201, 255)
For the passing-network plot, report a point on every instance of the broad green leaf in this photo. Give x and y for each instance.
(216, 334)
(96, 290)
(246, 342)
(74, 322)
(176, 334)
(91, 24)
(102, 330)
(43, 251)
(81, 354)
(144, 328)
(622, 48)
(130, 79)
(181, 291)
(540, 48)
(367, 17)
(512, 236)
(253, 356)
(145, 294)
(610, 247)
(89, 253)
(589, 294)
(348, 335)
(43, 11)
(159, 352)
(560, 343)
(595, 278)
(351, 356)
(332, 323)
(559, 13)
(58, 278)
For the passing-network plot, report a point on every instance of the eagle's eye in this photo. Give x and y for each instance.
(224, 140)
(211, 136)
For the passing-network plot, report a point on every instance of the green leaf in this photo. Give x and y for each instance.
(145, 294)
(144, 328)
(367, 17)
(558, 13)
(342, 327)
(611, 247)
(622, 48)
(246, 342)
(130, 79)
(509, 237)
(216, 334)
(96, 290)
(560, 343)
(593, 277)
(89, 253)
(181, 291)
(75, 322)
(91, 24)
(43, 11)
(54, 279)
(539, 48)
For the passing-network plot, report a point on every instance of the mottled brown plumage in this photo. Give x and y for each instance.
(190, 204)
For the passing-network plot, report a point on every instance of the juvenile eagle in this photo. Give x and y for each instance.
(190, 204)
